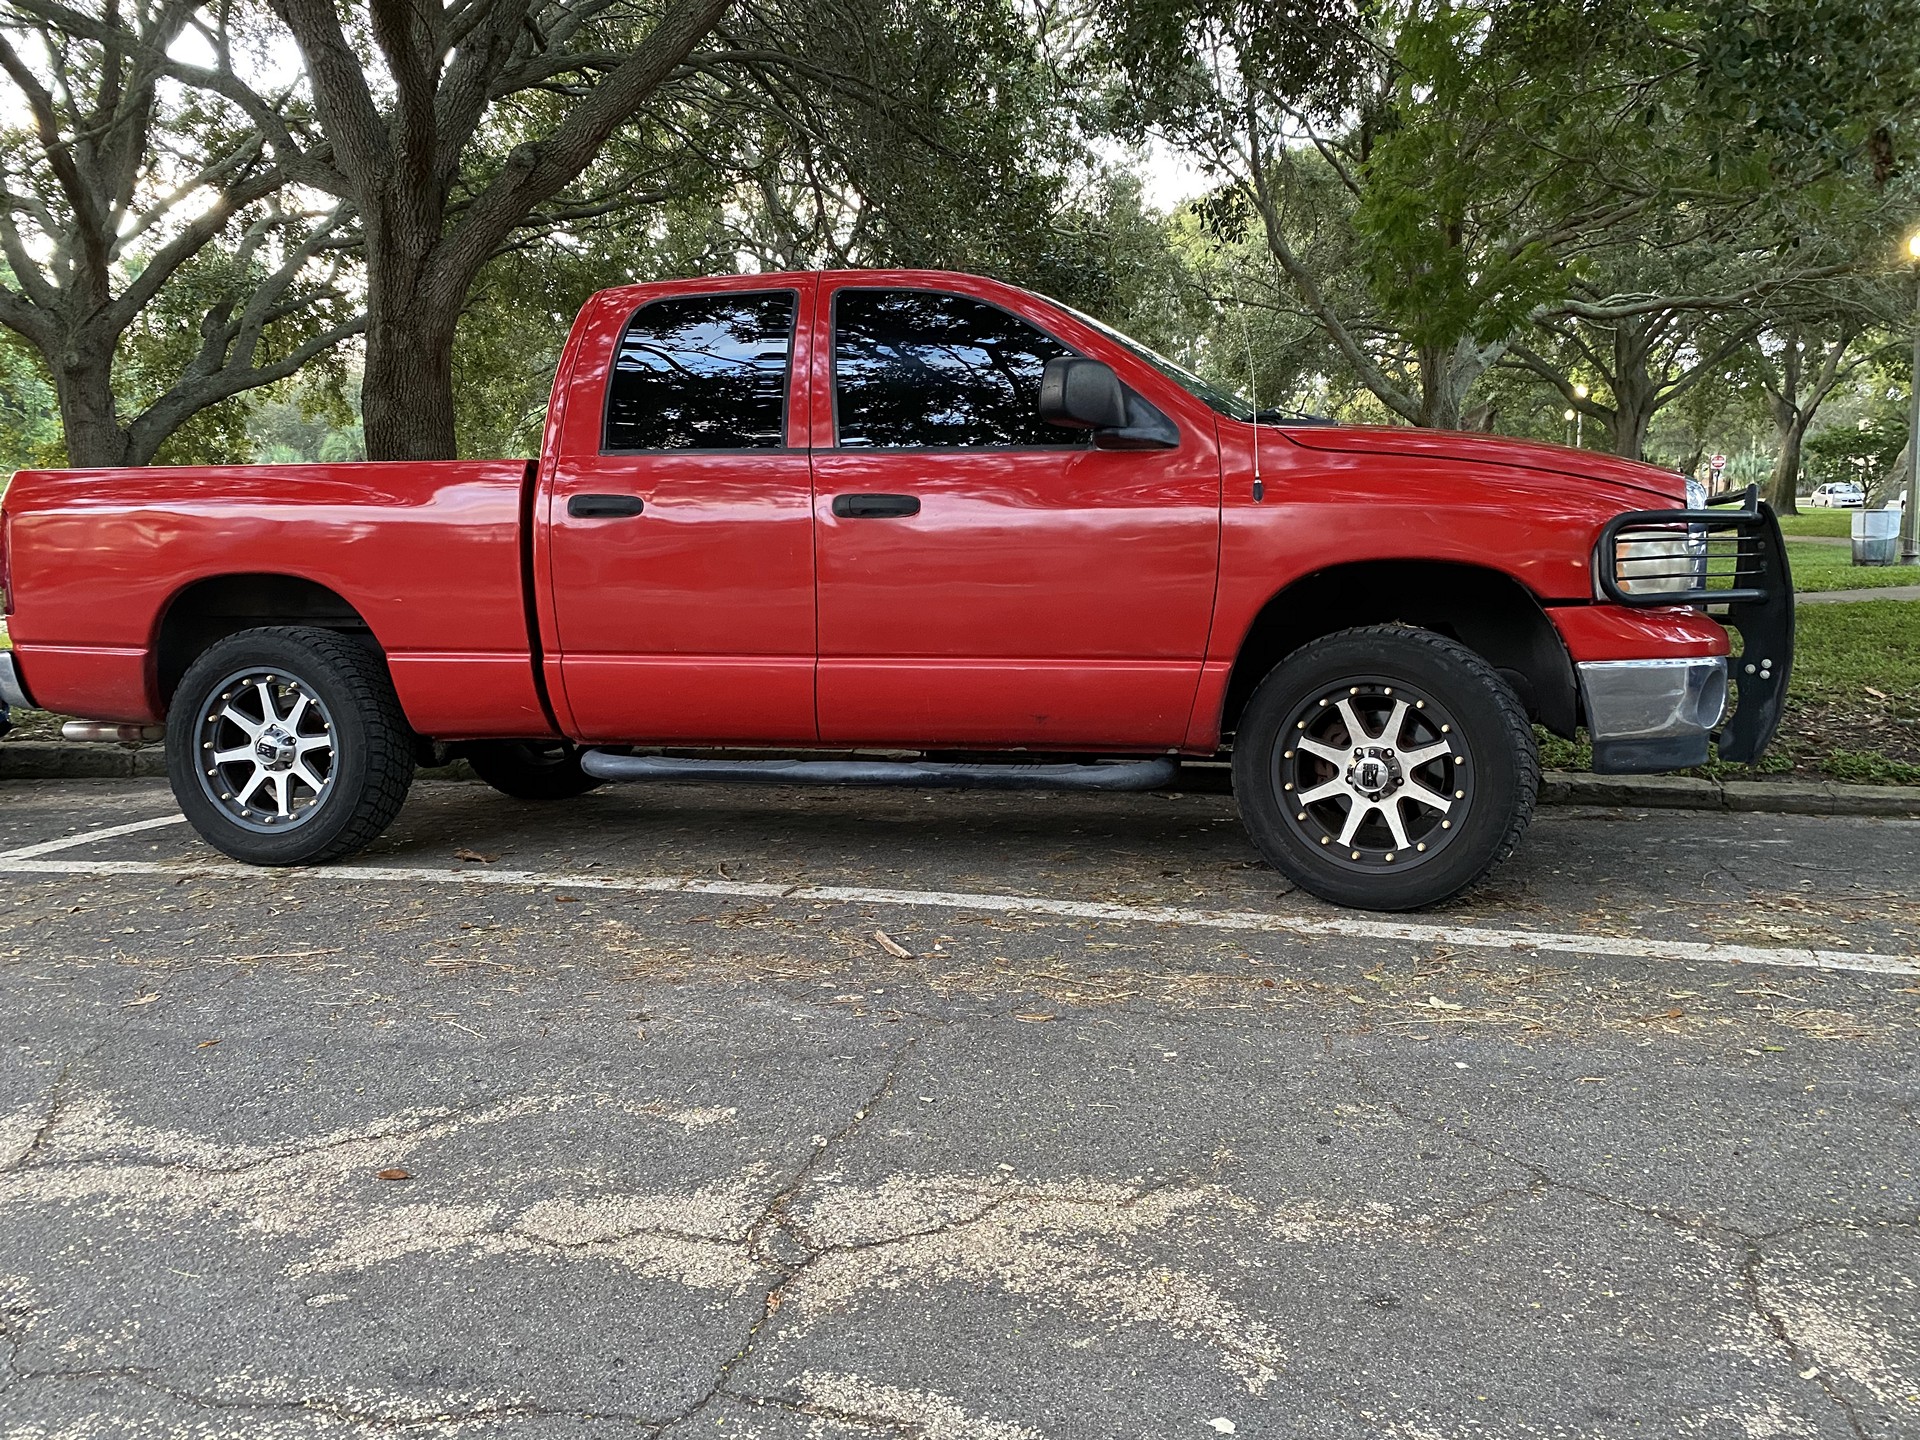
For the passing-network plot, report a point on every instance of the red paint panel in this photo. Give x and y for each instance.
(427, 554)
(98, 681)
(1039, 597)
(1620, 632)
(438, 693)
(694, 620)
(693, 699)
(1090, 704)
(1324, 509)
(1209, 704)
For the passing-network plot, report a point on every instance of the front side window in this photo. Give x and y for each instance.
(703, 372)
(923, 368)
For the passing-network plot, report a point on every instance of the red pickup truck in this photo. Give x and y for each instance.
(787, 527)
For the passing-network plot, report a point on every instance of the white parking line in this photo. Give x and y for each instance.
(87, 837)
(1352, 927)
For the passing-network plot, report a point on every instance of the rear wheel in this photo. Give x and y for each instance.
(287, 746)
(530, 769)
(1385, 768)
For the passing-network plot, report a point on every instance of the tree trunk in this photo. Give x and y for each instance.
(1636, 394)
(88, 419)
(406, 394)
(1785, 480)
(1628, 426)
(1892, 485)
(1447, 376)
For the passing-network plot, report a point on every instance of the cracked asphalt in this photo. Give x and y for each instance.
(511, 1128)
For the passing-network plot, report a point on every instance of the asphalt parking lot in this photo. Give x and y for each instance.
(851, 1114)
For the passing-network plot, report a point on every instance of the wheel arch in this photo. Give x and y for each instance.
(1483, 608)
(207, 610)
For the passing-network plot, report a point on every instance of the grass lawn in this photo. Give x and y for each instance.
(1830, 567)
(1835, 523)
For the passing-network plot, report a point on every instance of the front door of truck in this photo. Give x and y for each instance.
(987, 579)
(679, 524)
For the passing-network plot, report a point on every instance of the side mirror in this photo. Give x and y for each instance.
(1082, 394)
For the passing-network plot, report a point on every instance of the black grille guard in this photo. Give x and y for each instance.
(1735, 557)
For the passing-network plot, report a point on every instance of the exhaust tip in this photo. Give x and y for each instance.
(99, 732)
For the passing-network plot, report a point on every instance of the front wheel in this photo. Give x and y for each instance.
(287, 746)
(1386, 768)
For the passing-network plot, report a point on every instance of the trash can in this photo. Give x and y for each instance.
(1876, 537)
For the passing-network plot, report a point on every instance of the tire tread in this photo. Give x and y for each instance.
(1517, 739)
(388, 742)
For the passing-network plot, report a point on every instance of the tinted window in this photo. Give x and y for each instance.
(918, 367)
(703, 372)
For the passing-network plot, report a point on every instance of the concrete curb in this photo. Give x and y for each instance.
(1684, 792)
(51, 760)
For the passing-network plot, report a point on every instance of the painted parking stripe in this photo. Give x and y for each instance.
(88, 837)
(1352, 927)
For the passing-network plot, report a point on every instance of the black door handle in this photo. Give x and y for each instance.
(872, 507)
(605, 507)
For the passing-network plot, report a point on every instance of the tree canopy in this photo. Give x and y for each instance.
(1644, 226)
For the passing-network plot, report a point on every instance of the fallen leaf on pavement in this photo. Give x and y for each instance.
(142, 1000)
(475, 855)
(1035, 1018)
(205, 1043)
(1437, 1003)
(396, 1173)
(892, 946)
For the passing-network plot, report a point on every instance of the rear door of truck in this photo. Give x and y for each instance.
(678, 521)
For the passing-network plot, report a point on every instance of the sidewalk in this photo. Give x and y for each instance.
(1843, 597)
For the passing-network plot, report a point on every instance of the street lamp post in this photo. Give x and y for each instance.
(1568, 417)
(1909, 550)
(1579, 418)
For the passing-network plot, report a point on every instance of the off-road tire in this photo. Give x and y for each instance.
(371, 749)
(1489, 768)
(530, 769)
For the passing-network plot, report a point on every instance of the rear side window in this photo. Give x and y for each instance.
(703, 372)
(923, 368)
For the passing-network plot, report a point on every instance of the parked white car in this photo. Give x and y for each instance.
(1838, 495)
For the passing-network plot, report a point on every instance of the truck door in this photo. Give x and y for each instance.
(679, 524)
(987, 579)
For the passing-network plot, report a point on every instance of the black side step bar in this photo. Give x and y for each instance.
(1155, 774)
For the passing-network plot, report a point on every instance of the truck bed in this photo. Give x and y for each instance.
(429, 556)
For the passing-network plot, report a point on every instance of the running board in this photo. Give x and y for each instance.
(1156, 774)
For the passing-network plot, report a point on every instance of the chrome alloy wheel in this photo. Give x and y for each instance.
(1373, 774)
(266, 750)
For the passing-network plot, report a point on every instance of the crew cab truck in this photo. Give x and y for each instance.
(834, 517)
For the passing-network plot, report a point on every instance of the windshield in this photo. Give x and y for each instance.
(1222, 400)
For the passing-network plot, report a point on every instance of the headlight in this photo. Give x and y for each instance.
(1653, 567)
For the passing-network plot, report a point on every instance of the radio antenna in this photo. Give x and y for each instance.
(1253, 392)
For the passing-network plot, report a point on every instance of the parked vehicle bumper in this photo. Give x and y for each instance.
(1733, 566)
(13, 690)
(1650, 715)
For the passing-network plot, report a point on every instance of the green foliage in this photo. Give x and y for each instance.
(29, 416)
(1869, 767)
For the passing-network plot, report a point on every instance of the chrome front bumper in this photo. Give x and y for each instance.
(1650, 715)
(12, 692)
